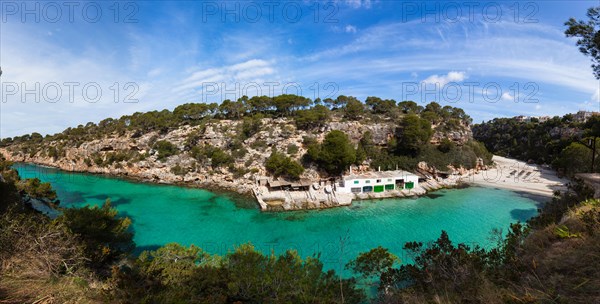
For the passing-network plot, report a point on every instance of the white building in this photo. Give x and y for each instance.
(583, 116)
(543, 118)
(377, 182)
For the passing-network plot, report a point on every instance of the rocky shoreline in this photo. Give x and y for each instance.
(242, 192)
(134, 155)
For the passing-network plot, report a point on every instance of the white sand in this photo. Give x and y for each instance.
(519, 176)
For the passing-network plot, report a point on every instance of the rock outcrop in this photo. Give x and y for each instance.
(132, 155)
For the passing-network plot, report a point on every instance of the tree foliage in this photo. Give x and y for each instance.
(243, 276)
(557, 141)
(36, 189)
(415, 132)
(280, 165)
(312, 118)
(588, 34)
(334, 154)
(353, 109)
(374, 263)
(165, 149)
(105, 236)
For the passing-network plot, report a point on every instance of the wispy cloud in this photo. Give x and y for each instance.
(170, 53)
(358, 3)
(241, 74)
(443, 80)
(350, 29)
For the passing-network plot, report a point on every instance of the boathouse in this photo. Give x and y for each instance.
(377, 182)
(282, 184)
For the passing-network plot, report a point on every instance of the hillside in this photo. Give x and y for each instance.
(562, 142)
(228, 145)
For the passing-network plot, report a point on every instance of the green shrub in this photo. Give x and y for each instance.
(106, 236)
(36, 189)
(280, 165)
(178, 170)
(259, 145)
(292, 149)
(218, 157)
(165, 149)
(335, 154)
(250, 126)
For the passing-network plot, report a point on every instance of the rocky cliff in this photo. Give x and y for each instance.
(131, 154)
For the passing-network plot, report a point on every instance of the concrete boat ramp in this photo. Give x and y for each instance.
(305, 195)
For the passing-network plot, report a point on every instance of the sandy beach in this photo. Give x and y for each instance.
(515, 175)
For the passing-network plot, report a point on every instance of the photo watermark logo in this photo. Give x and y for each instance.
(68, 11)
(453, 92)
(53, 92)
(269, 11)
(234, 91)
(469, 11)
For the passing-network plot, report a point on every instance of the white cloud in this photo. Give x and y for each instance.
(506, 96)
(442, 80)
(155, 72)
(350, 29)
(251, 71)
(358, 3)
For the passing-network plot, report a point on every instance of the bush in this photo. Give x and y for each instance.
(105, 236)
(165, 149)
(259, 145)
(220, 158)
(280, 165)
(312, 118)
(250, 126)
(217, 156)
(415, 133)
(177, 274)
(36, 189)
(53, 153)
(178, 170)
(292, 149)
(335, 154)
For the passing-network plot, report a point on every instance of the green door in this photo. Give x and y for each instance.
(389, 187)
(410, 185)
(378, 188)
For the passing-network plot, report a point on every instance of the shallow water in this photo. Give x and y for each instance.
(163, 214)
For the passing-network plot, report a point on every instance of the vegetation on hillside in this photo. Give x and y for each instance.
(411, 125)
(560, 142)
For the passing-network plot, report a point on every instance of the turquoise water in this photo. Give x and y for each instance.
(163, 214)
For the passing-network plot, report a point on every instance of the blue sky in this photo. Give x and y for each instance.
(505, 58)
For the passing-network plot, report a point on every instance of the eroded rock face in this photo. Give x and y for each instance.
(380, 132)
(141, 160)
(458, 137)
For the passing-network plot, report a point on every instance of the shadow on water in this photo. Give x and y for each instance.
(523, 214)
(101, 197)
(73, 197)
(540, 200)
(120, 201)
(433, 195)
(239, 200)
(113, 202)
(295, 217)
(211, 202)
(140, 249)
